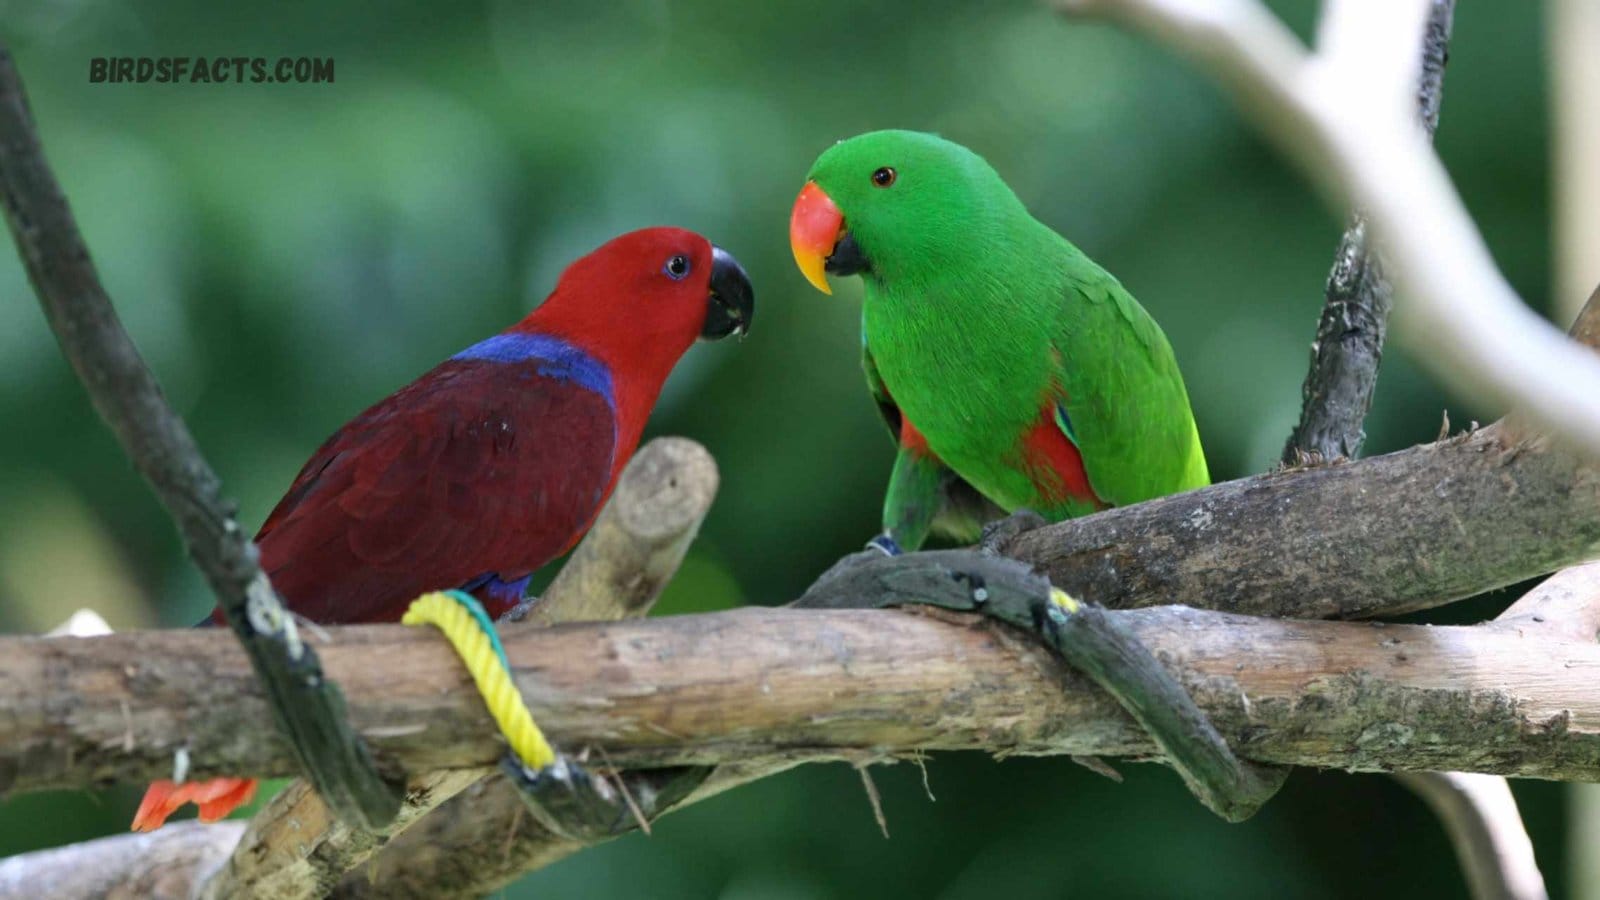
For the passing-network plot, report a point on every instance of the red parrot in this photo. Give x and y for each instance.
(496, 461)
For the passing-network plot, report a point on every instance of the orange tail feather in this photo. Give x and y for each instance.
(216, 798)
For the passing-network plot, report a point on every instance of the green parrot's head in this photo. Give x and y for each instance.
(894, 203)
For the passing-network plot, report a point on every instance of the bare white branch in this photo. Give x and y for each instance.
(1457, 313)
(1481, 815)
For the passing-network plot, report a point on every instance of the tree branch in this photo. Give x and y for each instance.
(125, 393)
(1355, 316)
(1481, 816)
(1409, 530)
(768, 687)
(761, 683)
(1478, 811)
(168, 863)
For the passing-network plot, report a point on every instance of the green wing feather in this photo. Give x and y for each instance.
(1122, 399)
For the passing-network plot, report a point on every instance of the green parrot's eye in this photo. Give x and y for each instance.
(883, 177)
(677, 267)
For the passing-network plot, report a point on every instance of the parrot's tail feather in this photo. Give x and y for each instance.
(216, 798)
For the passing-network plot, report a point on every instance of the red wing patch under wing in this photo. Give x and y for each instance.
(1054, 463)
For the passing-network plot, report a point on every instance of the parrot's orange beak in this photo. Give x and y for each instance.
(814, 228)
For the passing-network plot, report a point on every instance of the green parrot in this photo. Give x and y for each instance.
(1011, 367)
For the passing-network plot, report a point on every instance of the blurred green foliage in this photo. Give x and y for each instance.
(287, 254)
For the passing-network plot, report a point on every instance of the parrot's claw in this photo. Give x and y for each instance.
(999, 534)
(520, 611)
(571, 802)
(885, 544)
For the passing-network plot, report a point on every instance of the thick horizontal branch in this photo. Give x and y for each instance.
(748, 684)
(1409, 530)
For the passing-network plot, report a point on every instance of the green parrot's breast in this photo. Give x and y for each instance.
(972, 390)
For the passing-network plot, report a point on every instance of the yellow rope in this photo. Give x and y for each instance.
(1063, 599)
(469, 630)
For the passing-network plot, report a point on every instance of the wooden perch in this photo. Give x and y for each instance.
(1384, 535)
(755, 683)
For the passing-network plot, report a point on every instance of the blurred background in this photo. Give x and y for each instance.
(285, 255)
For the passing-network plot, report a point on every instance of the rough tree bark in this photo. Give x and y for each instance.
(1314, 551)
(754, 683)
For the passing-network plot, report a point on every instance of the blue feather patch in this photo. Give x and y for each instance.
(558, 359)
(1064, 422)
(508, 593)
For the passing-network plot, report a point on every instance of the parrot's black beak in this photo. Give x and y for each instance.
(847, 258)
(732, 302)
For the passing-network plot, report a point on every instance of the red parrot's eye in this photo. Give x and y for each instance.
(883, 177)
(677, 268)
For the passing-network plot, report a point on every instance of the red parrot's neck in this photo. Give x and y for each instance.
(637, 368)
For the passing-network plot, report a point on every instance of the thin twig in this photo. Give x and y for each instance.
(1355, 315)
(307, 706)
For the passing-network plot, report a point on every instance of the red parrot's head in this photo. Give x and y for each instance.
(642, 298)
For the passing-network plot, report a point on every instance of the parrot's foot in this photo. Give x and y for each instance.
(999, 534)
(885, 544)
(575, 804)
(1098, 642)
(520, 611)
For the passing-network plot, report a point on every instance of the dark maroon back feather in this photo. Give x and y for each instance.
(477, 467)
